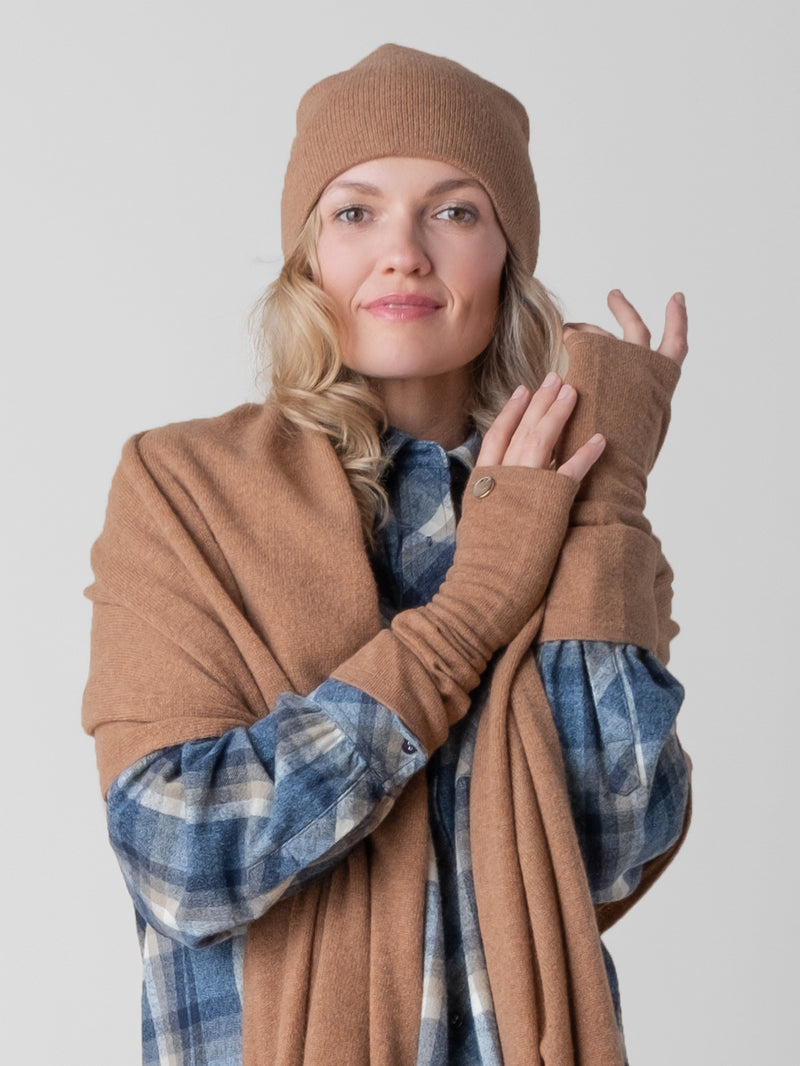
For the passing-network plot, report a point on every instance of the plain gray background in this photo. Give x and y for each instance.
(143, 153)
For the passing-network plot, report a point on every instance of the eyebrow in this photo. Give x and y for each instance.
(435, 190)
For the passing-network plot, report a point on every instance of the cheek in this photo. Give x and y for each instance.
(483, 313)
(485, 288)
(333, 278)
(345, 262)
(480, 277)
(325, 267)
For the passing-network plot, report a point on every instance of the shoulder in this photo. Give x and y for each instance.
(192, 475)
(248, 452)
(223, 432)
(220, 442)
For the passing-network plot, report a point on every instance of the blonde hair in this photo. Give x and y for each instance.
(295, 336)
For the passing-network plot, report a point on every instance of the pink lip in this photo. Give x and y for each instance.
(402, 306)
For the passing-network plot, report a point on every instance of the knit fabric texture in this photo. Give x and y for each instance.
(402, 102)
(226, 542)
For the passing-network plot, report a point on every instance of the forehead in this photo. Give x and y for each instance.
(393, 174)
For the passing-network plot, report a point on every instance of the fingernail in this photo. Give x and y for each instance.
(551, 379)
(596, 439)
(616, 292)
(565, 392)
(680, 298)
(519, 391)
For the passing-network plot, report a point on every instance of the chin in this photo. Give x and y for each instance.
(405, 365)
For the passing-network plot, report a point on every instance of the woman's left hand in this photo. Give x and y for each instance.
(674, 344)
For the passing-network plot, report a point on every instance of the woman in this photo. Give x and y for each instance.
(376, 787)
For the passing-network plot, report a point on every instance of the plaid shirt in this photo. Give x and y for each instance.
(212, 833)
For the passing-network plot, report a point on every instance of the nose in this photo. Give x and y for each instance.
(403, 248)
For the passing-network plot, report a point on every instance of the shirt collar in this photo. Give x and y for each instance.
(466, 453)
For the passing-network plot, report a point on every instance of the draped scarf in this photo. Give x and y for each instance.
(231, 568)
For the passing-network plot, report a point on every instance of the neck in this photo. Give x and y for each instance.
(428, 408)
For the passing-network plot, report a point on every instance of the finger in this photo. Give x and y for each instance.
(535, 437)
(579, 464)
(497, 436)
(675, 342)
(521, 405)
(633, 328)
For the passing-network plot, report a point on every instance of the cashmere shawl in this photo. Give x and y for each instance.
(232, 568)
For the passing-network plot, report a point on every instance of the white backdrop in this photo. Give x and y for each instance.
(143, 152)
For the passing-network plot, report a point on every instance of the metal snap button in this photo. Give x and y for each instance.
(483, 486)
(408, 747)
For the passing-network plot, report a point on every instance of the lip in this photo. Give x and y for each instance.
(403, 306)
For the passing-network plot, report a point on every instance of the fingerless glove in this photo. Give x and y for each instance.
(512, 526)
(611, 576)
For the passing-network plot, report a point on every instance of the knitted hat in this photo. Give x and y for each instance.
(401, 102)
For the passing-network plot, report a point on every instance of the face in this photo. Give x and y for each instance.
(411, 253)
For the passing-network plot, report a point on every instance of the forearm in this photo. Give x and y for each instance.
(425, 666)
(211, 833)
(612, 582)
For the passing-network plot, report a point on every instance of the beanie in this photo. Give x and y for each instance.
(401, 102)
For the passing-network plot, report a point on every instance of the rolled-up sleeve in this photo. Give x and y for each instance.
(615, 708)
(211, 833)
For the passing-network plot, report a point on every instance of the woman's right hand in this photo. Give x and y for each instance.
(514, 519)
(526, 431)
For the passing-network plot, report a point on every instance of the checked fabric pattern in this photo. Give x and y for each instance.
(283, 800)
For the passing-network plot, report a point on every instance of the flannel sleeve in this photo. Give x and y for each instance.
(211, 833)
(614, 707)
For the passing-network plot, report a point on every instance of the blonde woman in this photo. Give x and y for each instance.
(377, 681)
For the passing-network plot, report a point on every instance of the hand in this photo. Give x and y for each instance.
(674, 344)
(528, 427)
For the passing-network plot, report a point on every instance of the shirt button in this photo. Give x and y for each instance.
(455, 1021)
(408, 747)
(482, 487)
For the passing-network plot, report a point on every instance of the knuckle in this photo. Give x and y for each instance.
(533, 438)
(535, 444)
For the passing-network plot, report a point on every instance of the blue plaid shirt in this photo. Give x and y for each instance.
(211, 833)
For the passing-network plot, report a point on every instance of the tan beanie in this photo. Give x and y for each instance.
(398, 101)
